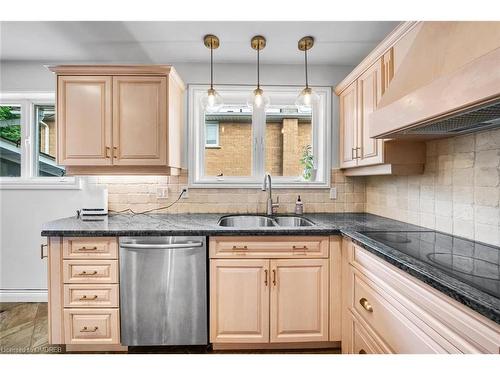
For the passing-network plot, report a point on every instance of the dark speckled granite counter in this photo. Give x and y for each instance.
(352, 225)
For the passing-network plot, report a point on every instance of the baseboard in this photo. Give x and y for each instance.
(23, 295)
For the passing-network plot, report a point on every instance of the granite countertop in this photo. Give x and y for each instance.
(352, 225)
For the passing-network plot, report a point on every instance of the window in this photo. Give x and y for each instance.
(211, 133)
(28, 143)
(237, 145)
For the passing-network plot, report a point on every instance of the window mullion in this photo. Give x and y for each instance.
(258, 125)
(26, 140)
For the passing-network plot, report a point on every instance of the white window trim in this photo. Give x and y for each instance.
(28, 181)
(217, 143)
(197, 142)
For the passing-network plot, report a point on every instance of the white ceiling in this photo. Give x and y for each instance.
(337, 43)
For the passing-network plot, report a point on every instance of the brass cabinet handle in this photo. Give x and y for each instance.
(362, 351)
(84, 273)
(115, 152)
(84, 248)
(85, 298)
(357, 156)
(265, 277)
(240, 248)
(352, 154)
(299, 248)
(108, 151)
(366, 305)
(274, 277)
(85, 329)
(41, 251)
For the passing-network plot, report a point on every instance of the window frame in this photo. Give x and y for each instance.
(28, 179)
(321, 139)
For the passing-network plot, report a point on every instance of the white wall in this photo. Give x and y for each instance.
(24, 211)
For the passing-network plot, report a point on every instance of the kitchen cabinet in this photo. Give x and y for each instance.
(385, 310)
(124, 119)
(359, 95)
(279, 299)
(84, 307)
(239, 306)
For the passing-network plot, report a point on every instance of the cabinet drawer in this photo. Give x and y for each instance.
(84, 295)
(90, 248)
(400, 334)
(91, 326)
(269, 247)
(362, 341)
(90, 271)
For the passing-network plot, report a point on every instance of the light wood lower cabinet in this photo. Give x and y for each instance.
(84, 293)
(385, 310)
(269, 301)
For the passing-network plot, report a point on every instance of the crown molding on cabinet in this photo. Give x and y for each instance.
(401, 30)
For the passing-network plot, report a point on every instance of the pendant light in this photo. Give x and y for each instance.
(258, 99)
(307, 96)
(213, 101)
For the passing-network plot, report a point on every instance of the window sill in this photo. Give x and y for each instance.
(257, 185)
(40, 183)
(213, 146)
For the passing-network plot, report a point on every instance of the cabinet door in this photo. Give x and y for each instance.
(387, 69)
(239, 301)
(299, 300)
(369, 150)
(139, 120)
(348, 106)
(84, 120)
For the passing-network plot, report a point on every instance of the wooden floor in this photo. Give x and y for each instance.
(24, 329)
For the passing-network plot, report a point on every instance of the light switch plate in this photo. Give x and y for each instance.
(162, 192)
(333, 193)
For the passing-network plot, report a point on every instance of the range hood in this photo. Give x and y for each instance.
(447, 84)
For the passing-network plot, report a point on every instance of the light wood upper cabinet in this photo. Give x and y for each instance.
(119, 119)
(239, 301)
(84, 120)
(139, 120)
(369, 150)
(299, 300)
(387, 69)
(348, 104)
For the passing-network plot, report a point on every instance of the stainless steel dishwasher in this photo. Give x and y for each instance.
(163, 291)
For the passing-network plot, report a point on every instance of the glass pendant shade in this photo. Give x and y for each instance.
(258, 99)
(306, 99)
(212, 102)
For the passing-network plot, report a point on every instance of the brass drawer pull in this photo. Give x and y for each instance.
(108, 149)
(352, 154)
(41, 251)
(84, 273)
(357, 156)
(274, 277)
(85, 298)
(366, 305)
(84, 248)
(362, 351)
(240, 248)
(299, 248)
(85, 329)
(265, 277)
(115, 152)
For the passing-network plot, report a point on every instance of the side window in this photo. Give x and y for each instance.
(10, 141)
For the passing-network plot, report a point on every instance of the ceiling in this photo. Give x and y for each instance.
(337, 43)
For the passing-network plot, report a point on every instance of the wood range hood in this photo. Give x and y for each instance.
(447, 84)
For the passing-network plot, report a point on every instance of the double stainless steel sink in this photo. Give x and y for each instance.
(257, 221)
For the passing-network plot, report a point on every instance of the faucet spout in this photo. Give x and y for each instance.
(271, 207)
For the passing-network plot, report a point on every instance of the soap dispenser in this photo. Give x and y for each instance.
(299, 206)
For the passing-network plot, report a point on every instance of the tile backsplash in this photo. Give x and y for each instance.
(139, 193)
(458, 193)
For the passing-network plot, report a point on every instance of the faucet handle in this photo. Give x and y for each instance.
(275, 205)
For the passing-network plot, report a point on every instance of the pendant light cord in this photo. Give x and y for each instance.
(211, 65)
(305, 58)
(258, 67)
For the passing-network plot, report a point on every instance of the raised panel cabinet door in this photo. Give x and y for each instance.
(299, 300)
(139, 120)
(348, 107)
(387, 69)
(239, 301)
(369, 150)
(84, 120)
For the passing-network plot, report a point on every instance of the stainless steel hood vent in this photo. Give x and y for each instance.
(473, 120)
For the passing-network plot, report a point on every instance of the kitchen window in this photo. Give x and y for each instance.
(236, 145)
(28, 143)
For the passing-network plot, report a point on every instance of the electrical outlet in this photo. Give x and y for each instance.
(333, 193)
(162, 192)
(186, 192)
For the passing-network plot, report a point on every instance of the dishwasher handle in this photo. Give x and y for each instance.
(186, 245)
